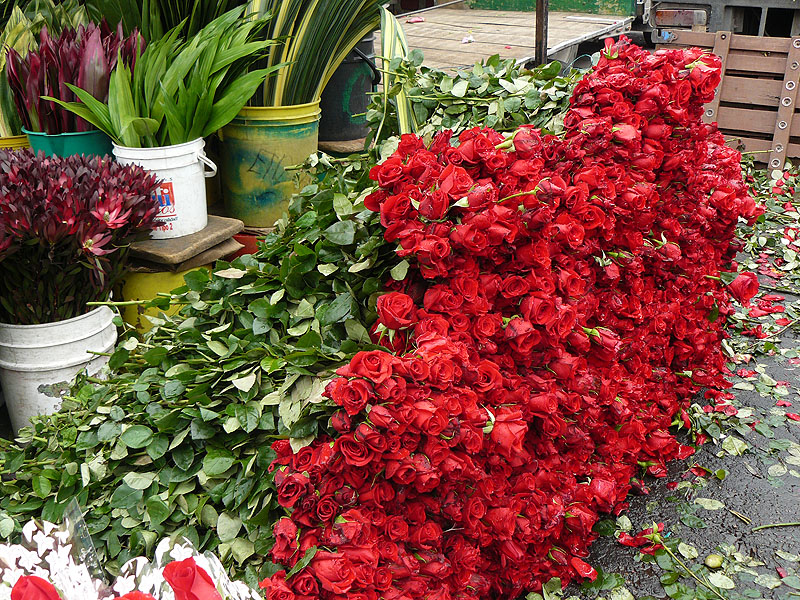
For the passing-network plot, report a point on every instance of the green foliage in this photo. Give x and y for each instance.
(315, 36)
(180, 90)
(154, 18)
(493, 93)
(178, 440)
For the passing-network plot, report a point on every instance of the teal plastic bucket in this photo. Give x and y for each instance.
(90, 143)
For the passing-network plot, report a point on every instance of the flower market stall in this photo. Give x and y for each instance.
(451, 359)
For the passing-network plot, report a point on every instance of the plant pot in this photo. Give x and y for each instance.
(14, 142)
(256, 148)
(346, 96)
(37, 362)
(90, 143)
(182, 193)
(146, 286)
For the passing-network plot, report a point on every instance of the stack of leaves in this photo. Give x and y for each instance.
(560, 311)
(84, 57)
(179, 89)
(65, 226)
(179, 440)
(498, 94)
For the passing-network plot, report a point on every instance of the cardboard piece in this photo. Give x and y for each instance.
(177, 251)
(206, 257)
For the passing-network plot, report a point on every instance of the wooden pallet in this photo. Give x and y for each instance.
(756, 102)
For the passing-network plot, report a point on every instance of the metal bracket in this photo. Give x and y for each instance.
(786, 108)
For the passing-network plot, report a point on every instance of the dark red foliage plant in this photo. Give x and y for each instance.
(65, 227)
(562, 307)
(83, 57)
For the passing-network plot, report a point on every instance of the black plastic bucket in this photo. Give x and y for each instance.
(346, 97)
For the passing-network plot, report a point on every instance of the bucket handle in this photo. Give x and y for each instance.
(210, 164)
(376, 74)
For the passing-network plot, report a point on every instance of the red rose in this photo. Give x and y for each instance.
(285, 532)
(136, 595)
(434, 205)
(304, 584)
(455, 181)
(327, 508)
(744, 287)
(351, 394)
(333, 570)
(31, 587)
(291, 489)
(396, 310)
(355, 453)
(396, 208)
(374, 365)
(390, 171)
(509, 431)
(189, 581)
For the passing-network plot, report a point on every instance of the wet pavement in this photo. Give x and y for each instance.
(760, 487)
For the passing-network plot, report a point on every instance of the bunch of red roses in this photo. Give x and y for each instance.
(186, 578)
(563, 305)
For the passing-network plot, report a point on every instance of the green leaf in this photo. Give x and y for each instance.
(709, 504)
(139, 481)
(157, 510)
(399, 271)
(41, 486)
(460, 88)
(336, 311)
(341, 233)
(303, 562)
(137, 436)
(228, 527)
(721, 581)
(217, 461)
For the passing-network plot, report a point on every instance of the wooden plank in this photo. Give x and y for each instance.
(722, 43)
(747, 90)
(750, 62)
(761, 148)
(745, 119)
(784, 122)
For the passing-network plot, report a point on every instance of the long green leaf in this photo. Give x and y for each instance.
(89, 116)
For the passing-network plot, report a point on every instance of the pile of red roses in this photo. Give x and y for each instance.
(563, 305)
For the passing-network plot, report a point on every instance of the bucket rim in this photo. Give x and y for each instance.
(309, 110)
(65, 134)
(197, 142)
(82, 317)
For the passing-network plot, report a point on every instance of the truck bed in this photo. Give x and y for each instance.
(452, 37)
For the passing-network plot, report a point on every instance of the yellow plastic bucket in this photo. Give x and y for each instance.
(15, 142)
(146, 286)
(256, 148)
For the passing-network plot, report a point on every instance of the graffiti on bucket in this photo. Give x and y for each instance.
(269, 167)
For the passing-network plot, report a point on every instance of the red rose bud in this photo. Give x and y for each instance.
(190, 581)
(744, 287)
(31, 587)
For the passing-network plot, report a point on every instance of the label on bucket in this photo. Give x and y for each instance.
(167, 211)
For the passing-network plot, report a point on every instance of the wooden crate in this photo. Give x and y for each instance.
(756, 101)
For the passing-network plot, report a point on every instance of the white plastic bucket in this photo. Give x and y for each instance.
(37, 362)
(182, 193)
